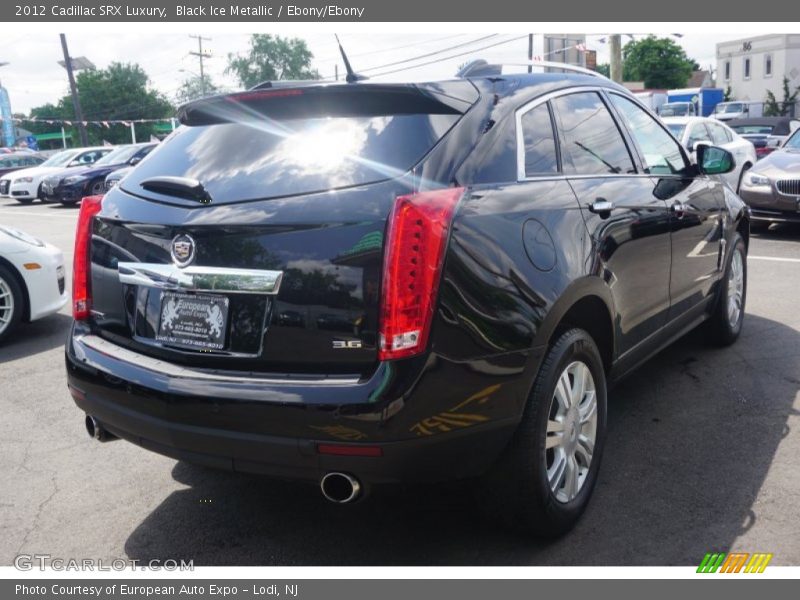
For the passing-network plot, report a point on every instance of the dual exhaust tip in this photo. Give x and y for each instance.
(339, 488)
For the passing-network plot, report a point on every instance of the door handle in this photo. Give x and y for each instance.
(679, 208)
(602, 207)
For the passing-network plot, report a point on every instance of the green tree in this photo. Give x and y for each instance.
(270, 58)
(659, 62)
(773, 108)
(728, 95)
(118, 92)
(604, 69)
(194, 88)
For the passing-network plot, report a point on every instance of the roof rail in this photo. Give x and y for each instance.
(480, 67)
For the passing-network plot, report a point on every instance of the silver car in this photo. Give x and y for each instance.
(772, 187)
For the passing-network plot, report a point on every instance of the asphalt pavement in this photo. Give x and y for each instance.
(702, 455)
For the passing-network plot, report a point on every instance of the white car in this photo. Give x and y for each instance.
(693, 131)
(32, 279)
(25, 185)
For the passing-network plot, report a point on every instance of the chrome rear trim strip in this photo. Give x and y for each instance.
(172, 370)
(200, 279)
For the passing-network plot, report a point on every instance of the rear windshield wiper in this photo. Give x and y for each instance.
(182, 187)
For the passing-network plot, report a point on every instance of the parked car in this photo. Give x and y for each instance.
(32, 284)
(766, 133)
(115, 177)
(772, 187)
(695, 131)
(14, 162)
(70, 187)
(26, 185)
(532, 238)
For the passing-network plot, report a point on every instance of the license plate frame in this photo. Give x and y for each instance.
(193, 321)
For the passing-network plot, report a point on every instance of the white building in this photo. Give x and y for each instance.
(751, 66)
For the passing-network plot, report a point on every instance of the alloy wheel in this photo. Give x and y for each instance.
(6, 305)
(735, 288)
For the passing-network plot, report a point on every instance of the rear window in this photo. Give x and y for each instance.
(263, 158)
(752, 129)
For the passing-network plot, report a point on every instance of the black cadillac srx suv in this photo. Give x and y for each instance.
(366, 283)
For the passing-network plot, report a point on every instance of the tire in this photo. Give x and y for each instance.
(725, 323)
(97, 188)
(40, 194)
(517, 490)
(12, 303)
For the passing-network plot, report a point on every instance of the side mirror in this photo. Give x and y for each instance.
(693, 146)
(713, 160)
(135, 160)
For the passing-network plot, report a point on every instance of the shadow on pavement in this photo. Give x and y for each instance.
(34, 338)
(691, 437)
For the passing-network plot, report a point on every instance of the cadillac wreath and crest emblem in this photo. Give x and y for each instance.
(182, 250)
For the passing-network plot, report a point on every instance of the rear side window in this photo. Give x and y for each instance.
(662, 154)
(263, 158)
(539, 144)
(719, 135)
(593, 144)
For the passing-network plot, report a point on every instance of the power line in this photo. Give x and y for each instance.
(426, 55)
(432, 62)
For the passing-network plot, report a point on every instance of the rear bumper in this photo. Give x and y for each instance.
(273, 427)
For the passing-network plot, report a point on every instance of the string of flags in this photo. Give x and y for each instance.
(106, 123)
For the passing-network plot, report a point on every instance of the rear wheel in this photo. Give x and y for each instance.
(544, 480)
(97, 187)
(12, 303)
(726, 321)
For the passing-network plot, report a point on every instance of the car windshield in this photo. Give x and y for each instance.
(118, 156)
(729, 108)
(752, 129)
(794, 141)
(674, 110)
(676, 129)
(60, 159)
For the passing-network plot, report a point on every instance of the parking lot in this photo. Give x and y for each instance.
(702, 455)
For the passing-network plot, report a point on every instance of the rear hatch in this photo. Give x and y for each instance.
(282, 187)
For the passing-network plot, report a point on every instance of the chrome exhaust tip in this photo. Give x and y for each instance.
(340, 488)
(97, 431)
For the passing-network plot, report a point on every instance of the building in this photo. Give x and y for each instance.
(752, 66)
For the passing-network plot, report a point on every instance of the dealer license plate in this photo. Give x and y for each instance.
(191, 321)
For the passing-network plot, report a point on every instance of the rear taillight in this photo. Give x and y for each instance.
(81, 266)
(415, 249)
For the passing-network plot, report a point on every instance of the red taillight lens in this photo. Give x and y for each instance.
(81, 267)
(415, 248)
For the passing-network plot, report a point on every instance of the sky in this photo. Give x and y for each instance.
(33, 76)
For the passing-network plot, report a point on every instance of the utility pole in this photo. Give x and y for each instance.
(76, 102)
(201, 55)
(530, 52)
(615, 50)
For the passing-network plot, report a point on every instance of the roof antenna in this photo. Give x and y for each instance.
(352, 76)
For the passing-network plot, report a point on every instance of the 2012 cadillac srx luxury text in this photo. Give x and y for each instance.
(365, 283)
